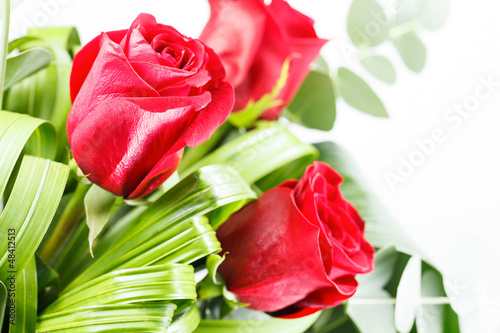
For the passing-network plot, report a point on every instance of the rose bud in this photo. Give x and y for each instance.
(139, 97)
(296, 249)
(254, 40)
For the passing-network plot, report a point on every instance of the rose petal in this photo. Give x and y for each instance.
(235, 25)
(272, 252)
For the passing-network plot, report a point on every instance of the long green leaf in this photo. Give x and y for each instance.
(25, 64)
(15, 130)
(272, 325)
(26, 300)
(149, 317)
(133, 300)
(259, 152)
(3, 301)
(186, 322)
(31, 206)
(169, 231)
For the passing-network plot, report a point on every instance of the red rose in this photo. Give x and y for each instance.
(296, 249)
(254, 40)
(139, 97)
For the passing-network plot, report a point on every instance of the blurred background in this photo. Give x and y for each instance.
(434, 162)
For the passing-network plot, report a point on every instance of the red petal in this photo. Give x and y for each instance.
(272, 251)
(235, 30)
(84, 59)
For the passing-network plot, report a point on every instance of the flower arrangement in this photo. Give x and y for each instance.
(150, 183)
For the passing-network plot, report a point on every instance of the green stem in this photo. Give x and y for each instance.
(4, 45)
(72, 213)
(193, 155)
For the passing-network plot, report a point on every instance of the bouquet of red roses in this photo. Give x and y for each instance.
(149, 183)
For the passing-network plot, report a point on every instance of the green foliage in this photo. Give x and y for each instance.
(45, 94)
(26, 63)
(269, 325)
(412, 50)
(26, 300)
(380, 67)
(259, 152)
(98, 206)
(367, 23)
(358, 94)
(314, 104)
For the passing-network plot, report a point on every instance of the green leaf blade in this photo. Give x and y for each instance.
(25, 64)
(314, 105)
(359, 95)
(380, 67)
(412, 50)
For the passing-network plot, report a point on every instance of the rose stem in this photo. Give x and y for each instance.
(72, 213)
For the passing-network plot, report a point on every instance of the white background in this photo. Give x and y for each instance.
(449, 203)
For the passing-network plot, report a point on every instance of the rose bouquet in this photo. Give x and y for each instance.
(149, 183)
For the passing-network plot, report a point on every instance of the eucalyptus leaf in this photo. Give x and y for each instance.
(434, 13)
(98, 206)
(380, 67)
(358, 94)
(407, 11)
(367, 23)
(412, 50)
(314, 103)
(408, 296)
(26, 63)
(373, 317)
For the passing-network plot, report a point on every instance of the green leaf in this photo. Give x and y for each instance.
(381, 230)
(434, 13)
(253, 110)
(98, 206)
(48, 284)
(132, 299)
(30, 208)
(63, 37)
(25, 64)
(44, 94)
(259, 152)
(15, 130)
(407, 11)
(373, 317)
(314, 104)
(367, 24)
(412, 50)
(380, 67)
(26, 300)
(186, 322)
(146, 317)
(359, 95)
(272, 325)
(3, 302)
(172, 230)
(408, 296)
